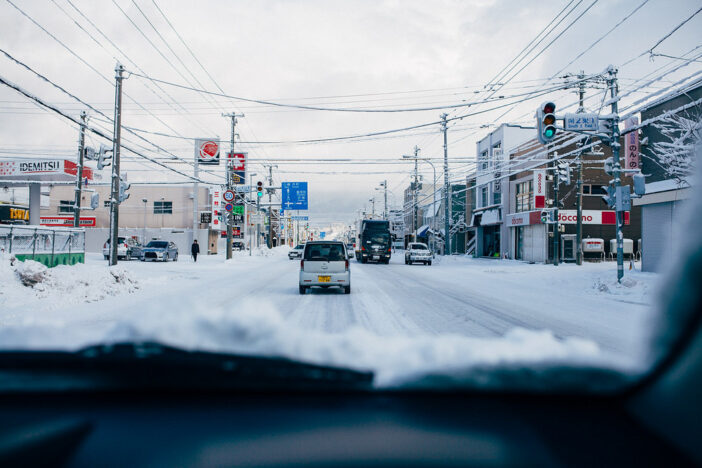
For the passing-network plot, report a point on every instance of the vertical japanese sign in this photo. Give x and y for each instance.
(216, 201)
(539, 189)
(631, 144)
(207, 151)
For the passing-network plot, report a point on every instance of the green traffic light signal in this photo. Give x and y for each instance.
(260, 194)
(549, 132)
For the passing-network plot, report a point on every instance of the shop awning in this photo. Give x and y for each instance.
(491, 217)
(422, 231)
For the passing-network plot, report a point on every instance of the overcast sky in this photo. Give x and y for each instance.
(354, 54)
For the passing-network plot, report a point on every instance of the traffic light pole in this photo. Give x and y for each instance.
(616, 169)
(556, 181)
(579, 184)
(79, 171)
(447, 188)
(416, 197)
(116, 145)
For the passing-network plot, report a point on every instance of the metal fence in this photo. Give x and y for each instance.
(48, 245)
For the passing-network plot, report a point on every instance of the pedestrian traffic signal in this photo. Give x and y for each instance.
(94, 201)
(259, 188)
(102, 156)
(564, 172)
(123, 187)
(546, 122)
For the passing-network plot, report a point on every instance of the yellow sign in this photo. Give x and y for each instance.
(19, 214)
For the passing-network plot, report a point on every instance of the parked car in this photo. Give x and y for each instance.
(296, 252)
(238, 245)
(325, 264)
(127, 248)
(417, 252)
(160, 250)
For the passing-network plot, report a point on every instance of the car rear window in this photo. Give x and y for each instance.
(325, 252)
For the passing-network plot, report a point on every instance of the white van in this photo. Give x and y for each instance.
(325, 264)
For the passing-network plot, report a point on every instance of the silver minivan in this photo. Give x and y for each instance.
(325, 264)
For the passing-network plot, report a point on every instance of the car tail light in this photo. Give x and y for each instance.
(126, 246)
(302, 264)
(390, 249)
(363, 248)
(347, 265)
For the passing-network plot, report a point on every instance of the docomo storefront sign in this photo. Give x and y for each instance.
(539, 189)
(590, 217)
(525, 218)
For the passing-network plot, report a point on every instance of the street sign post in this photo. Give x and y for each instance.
(294, 195)
(229, 207)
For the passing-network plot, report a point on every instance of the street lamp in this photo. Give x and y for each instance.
(143, 236)
(433, 216)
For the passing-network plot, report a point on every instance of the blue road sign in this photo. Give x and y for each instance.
(300, 218)
(294, 195)
(322, 234)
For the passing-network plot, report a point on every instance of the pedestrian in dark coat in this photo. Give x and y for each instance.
(195, 249)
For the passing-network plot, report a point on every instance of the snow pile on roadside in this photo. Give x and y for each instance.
(22, 282)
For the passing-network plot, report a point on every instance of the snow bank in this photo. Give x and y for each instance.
(31, 283)
(257, 328)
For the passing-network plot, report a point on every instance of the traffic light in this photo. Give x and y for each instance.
(546, 122)
(259, 188)
(94, 201)
(564, 172)
(102, 156)
(123, 187)
(545, 217)
(610, 199)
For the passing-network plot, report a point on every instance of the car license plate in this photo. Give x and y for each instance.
(324, 279)
(376, 257)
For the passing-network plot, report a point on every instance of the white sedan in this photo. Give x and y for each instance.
(419, 253)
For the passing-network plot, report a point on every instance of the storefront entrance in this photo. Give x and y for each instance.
(518, 242)
(491, 241)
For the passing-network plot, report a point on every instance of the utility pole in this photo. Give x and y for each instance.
(230, 215)
(385, 195)
(116, 145)
(416, 195)
(447, 236)
(270, 207)
(79, 171)
(556, 181)
(579, 184)
(616, 169)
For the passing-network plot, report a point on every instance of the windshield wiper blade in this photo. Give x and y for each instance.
(151, 365)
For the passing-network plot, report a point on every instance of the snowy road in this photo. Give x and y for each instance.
(252, 304)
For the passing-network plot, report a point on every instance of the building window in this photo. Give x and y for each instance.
(106, 203)
(163, 207)
(595, 190)
(497, 198)
(65, 206)
(484, 196)
(524, 193)
(586, 189)
(484, 161)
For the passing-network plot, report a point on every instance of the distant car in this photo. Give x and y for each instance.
(160, 250)
(350, 248)
(419, 253)
(238, 245)
(325, 264)
(127, 248)
(296, 252)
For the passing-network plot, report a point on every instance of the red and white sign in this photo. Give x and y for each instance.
(524, 218)
(238, 161)
(631, 144)
(591, 217)
(228, 196)
(31, 167)
(207, 151)
(216, 200)
(540, 189)
(67, 221)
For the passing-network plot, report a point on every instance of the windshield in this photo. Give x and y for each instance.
(478, 194)
(157, 244)
(377, 238)
(325, 252)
